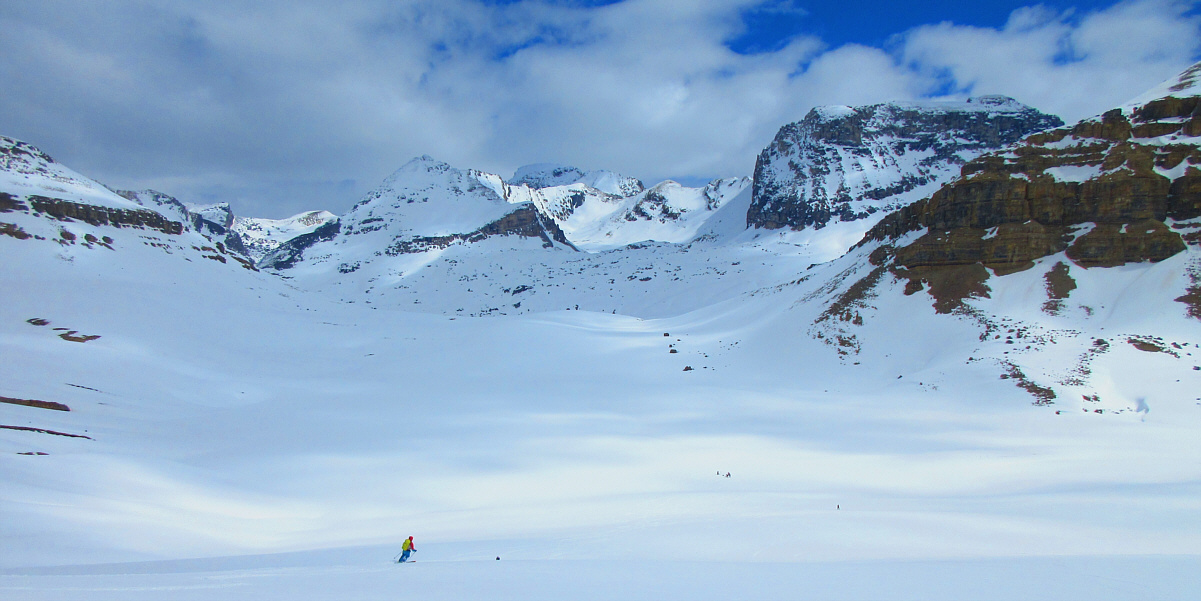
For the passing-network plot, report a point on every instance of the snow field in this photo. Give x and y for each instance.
(236, 415)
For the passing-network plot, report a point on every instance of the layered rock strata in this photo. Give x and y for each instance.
(1114, 189)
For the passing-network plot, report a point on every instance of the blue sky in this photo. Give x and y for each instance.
(772, 24)
(281, 106)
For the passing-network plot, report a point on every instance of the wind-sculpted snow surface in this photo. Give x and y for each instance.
(844, 163)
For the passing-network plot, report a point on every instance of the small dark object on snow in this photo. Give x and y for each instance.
(498, 558)
(666, 334)
(687, 368)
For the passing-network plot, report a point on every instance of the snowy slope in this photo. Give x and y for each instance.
(262, 236)
(166, 204)
(227, 420)
(418, 212)
(25, 170)
(667, 212)
(440, 239)
(55, 211)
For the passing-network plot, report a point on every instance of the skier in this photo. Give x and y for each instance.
(406, 548)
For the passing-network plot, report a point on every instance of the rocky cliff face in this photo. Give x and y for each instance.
(1114, 189)
(845, 163)
(211, 221)
(44, 202)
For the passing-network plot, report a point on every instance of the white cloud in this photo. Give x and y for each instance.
(283, 106)
(1069, 64)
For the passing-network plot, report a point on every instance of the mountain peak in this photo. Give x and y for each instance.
(549, 175)
(546, 175)
(843, 163)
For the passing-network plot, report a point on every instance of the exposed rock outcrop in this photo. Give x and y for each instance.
(1109, 190)
(99, 215)
(526, 221)
(287, 254)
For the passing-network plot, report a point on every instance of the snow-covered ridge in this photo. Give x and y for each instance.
(26, 170)
(547, 175)
(666, 212)
(261, 236)
(1187, 83)
(49, 207)
(426, 204)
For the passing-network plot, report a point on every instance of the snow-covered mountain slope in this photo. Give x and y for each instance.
(441, 239)
(166, 204)
(1123, 187)
(548, 175)
(1072, 244)
(211, 221)
(46, 205)
(667, 212)
(844, 163)
(262, 236)
(26, 171)
(422, 208)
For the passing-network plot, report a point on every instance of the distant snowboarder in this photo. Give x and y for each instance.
(406, 548)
